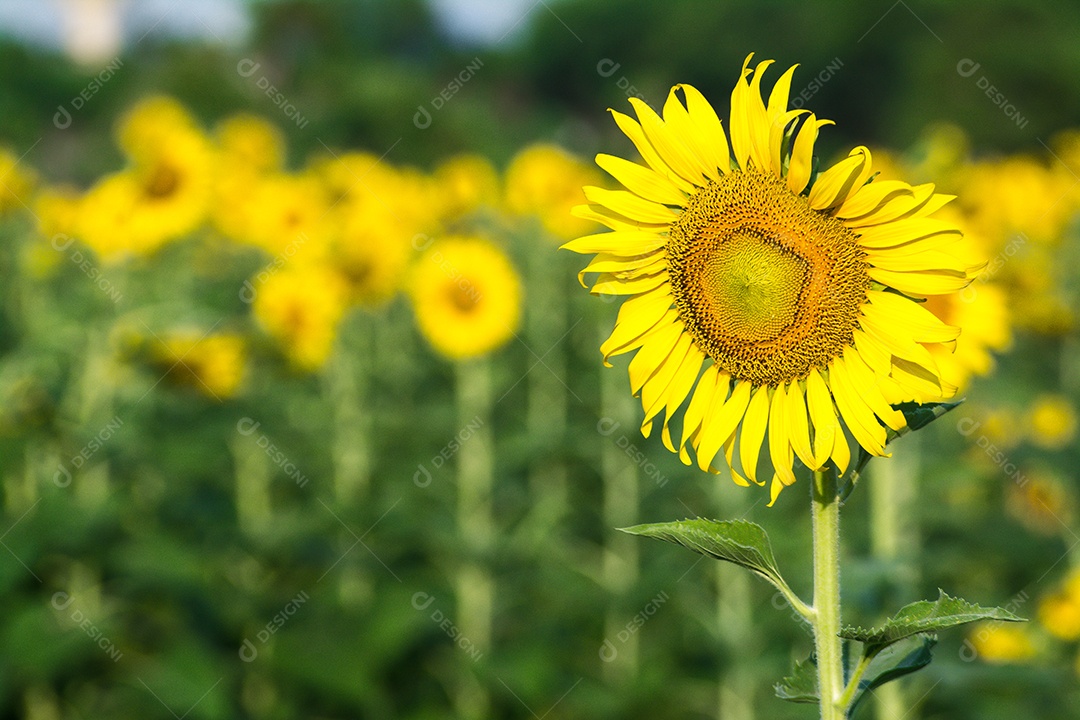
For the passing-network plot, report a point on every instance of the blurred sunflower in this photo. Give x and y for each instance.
(289, 216)
(211, 364)
(1059, 612)
(251, 143)
(545, 181)
(15, 183)
(1002, 643)
(467, 297)
(301, 308)
(372, 252)
(778, 302)
(1052, 422)
(1041, 502)
(467, 183)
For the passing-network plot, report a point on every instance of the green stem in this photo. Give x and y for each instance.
(853, 683)
(825, 512)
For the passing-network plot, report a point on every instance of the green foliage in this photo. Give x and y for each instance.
(894, 662)
(925, 616)
(801, 686)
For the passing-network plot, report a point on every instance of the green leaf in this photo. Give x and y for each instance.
(916, 415)
(802, 685)
(736, 541)
(925, 616)
(899, 659)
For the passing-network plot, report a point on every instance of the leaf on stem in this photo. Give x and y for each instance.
(895, 661)
(802, 685)
(735, 541)
(923, 617)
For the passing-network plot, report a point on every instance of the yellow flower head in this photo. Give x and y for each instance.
(1052, 422)
(1059, 612)
(372, 252)
(467, 297)
(211, 364)
(467, 182)
(301, 308)
(57, 211)
(248, 142)
(545, 181)
(1040, 501)
(16, 182)
(1002, 643)
(773, 302)
(288, 216)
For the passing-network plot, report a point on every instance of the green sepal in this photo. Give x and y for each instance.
(916, 415)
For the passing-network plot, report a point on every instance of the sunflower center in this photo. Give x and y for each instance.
(162, 183)
(767, 286)
(464, 299)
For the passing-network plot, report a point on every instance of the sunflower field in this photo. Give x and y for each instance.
(339, 341)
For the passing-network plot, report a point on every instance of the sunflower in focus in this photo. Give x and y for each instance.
(467, 297)
(775, 303)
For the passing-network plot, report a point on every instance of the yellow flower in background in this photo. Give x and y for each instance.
(174, 186)
(1017, 195)
(778, 303)
(1002, 643)
(150, 123)
(289, 217)
(16, 183)
(372, 252)
(467, 183)
(1052, 422)
(248, 142)
(467, 297)
(107, 221)
(57, 211)
(301, 308)
(1059, 612)
(546, 181)
(1041, 502)
(212, 364)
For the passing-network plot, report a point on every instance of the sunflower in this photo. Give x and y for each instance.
(467, 297)
(302, 308)
(212, 364)
(545, 181)
(771, 301)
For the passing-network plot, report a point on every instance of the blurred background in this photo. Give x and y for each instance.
(302, 414)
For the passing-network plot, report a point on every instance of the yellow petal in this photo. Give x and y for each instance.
(842, 180)
(602, 215)
(920, 284)
(720, 423)
(779, 443)
(638, 316)
(654, 391)
(778, 98)
(757, 119)
(632, 129)
(624, 243)
(870, 198)
(656, 347)
(700, 401)
(900, 232)
(753, 431)
(895, 207)
(609, 284)
(777, 132)
(680, 387)
(630, 205)
(876, 355)
(729, 450)
(798, 427)
(899, 311)
(641, 180)
(857, 415)
(841, 454)
(712, 139)
(611, 263)
(677, 119)
(863, 379)
(819, 403)
(740, 128)
(671, 148)
(802, 154)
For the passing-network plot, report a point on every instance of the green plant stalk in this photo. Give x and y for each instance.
(825, 515)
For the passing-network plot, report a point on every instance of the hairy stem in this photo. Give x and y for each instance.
(825, 512)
